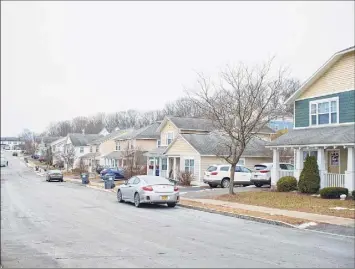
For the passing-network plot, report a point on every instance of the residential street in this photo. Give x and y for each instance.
(66, 225)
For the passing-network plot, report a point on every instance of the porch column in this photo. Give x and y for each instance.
(160, 162)
(147, 165)
(298, 163)
(167, 167)
(275, 167)
(174, 168)
(350, 170)
(321, 166)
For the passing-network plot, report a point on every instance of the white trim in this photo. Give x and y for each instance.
(325, 125)
(199, 170)
(164, 122)
(320, 101)
(311, 145)
(325, 94)
(318, 74)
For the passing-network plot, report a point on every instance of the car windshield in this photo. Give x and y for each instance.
(259, 167)
(156, 180)
(211, 168)
(54, 172)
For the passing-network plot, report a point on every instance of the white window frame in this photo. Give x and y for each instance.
(158, 143)
(189, 167)
(167, 138)
(118, 146)
(97, 149)
(81, 150)
(317, 102)
(90, 149)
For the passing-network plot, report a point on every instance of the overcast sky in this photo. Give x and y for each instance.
(64, 59)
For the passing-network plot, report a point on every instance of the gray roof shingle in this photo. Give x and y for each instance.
(82, 139)
(211, 144)
(112, 135)
(114, 155)
(148, 132)
(317, 136)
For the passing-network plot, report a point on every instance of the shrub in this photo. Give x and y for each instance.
(353, 194)
(286, 184)
(309, 181)
(333, 192)
(185, 178)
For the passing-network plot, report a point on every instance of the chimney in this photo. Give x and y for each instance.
(83, 131)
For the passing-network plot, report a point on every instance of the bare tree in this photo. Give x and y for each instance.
(239, 106)
(68, 156)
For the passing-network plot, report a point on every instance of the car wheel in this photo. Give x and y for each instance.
(225, 183)
(258, 185)
(212, 185)
(119, 196)
(245, 185)
(62, 180)
(171, 204)
(137, 200)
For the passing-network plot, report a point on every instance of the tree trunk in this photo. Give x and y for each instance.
(231, 183)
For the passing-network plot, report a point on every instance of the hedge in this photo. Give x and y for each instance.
(286, 184)
(333, 192)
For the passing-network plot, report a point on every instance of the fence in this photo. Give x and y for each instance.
(286, 173)
(334, 180)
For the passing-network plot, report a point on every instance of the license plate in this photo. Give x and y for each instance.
(164, 197)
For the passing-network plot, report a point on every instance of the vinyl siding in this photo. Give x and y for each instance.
(146, 144)
(107, 147)
(338, 78)
(346, 108)
(169, 127)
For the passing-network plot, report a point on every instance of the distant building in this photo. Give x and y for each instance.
(281, 123)
(11, 142)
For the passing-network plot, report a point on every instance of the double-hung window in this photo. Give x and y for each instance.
(189, 166)
(169, 138)
(324, 111)
(118, 147)
(81, 149)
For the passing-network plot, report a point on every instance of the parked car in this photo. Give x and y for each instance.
(54, 175)
(42, 159)
(3, 161)
(220, 175)
(118, 173)
(35, 156)
(262, 173)
(148, 189)
(99, 168)
(14, 154)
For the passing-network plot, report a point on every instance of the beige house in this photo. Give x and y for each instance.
(187, 144)
(131, 145)
(324, 121)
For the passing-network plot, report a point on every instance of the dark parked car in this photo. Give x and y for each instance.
(54, 175)
(42, 159)
(35, 156)
(118, 173)
(14, 154)
(99, 169)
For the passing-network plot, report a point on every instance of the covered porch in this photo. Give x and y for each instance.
(333, 147)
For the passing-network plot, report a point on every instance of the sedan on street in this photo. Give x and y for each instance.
(54, 175)
(148, 189)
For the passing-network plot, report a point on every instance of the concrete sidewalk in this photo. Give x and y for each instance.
(275, 211)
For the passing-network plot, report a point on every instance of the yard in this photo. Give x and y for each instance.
(294, 201)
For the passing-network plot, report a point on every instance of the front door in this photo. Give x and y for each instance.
(334, 161)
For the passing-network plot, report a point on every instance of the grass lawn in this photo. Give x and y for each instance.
(293, 201)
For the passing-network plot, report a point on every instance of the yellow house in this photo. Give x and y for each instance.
(324, 120)
(133, 142)
(183, 146)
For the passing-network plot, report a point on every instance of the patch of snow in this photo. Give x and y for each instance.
(307, 224)
(340, 208)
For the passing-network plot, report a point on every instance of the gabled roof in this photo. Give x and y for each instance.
(191, 124)
(59, 140)
(105, 138)
(50, 139)
(147, 132)
(330, 135)
(211, 144)
(321, 71)
(79, 140)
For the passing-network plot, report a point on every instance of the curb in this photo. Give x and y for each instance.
(240, 216)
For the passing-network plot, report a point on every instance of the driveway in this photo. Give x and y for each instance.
(68, 225)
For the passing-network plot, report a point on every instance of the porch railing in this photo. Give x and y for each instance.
(286, 173)
(334, 180)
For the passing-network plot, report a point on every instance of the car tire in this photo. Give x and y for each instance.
(119, 196)
(171, 204)
(212, 185)
(258, 185)
(225, 183)
(245, 185)
(62, 180)
(137, 202)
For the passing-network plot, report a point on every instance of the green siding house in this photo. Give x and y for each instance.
(324, 123)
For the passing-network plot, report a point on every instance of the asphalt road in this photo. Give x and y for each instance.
(66, 225)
